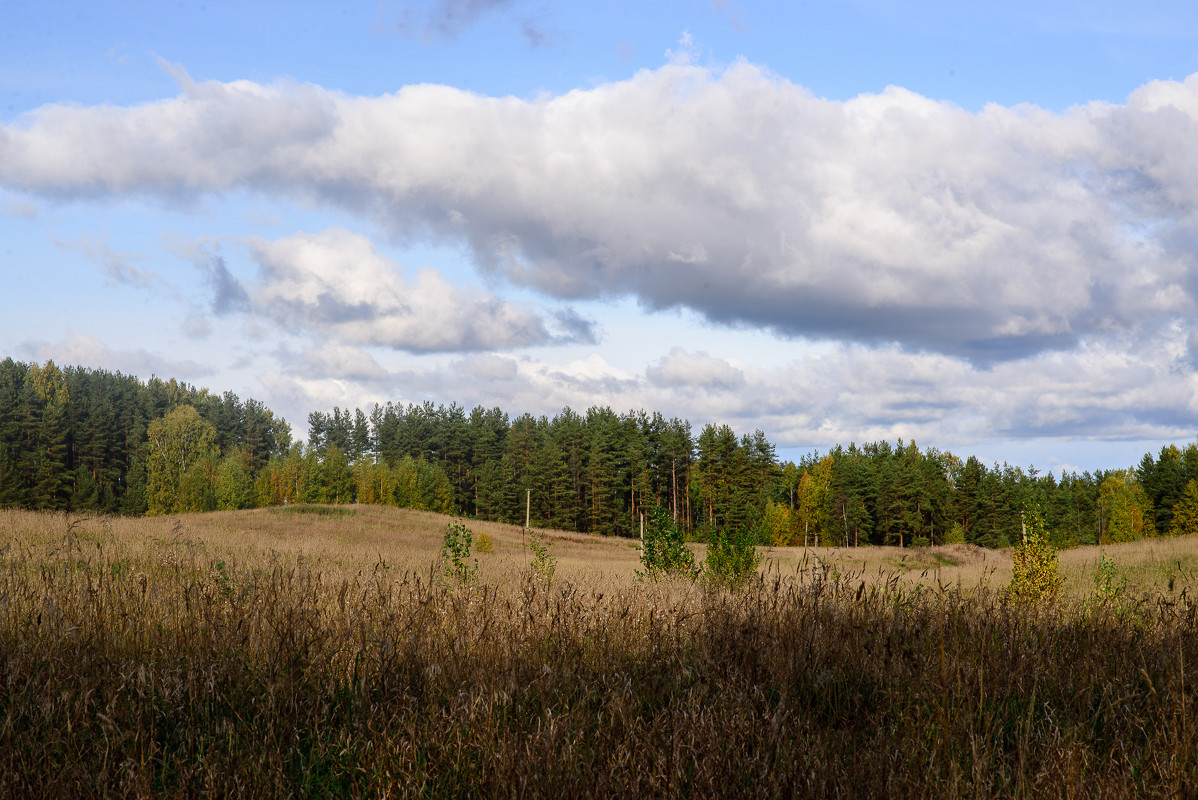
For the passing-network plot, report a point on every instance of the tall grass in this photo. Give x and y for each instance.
(153, 661)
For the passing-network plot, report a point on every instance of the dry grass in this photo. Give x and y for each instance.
(279, 654)
(967, 566)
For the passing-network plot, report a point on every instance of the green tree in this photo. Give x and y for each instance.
(234, 484)
(197, 487)
(663, 551)
(13, 489)
(1185, 513)
(731, 560)
(336, 481)
(176, 442)
(47, 437)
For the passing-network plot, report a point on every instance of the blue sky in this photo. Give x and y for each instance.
(972, 225)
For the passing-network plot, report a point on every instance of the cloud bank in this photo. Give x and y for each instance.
(1010, 272)
(736, 193)
(848, 393)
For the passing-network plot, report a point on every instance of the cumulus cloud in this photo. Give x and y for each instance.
(336, 362)
(699, 370)
(886, 218)
(487, 367)
(336, 282)
(79, 348)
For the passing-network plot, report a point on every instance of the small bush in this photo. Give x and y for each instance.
(1035, 573)
(663, 551)
(456, 564)
(484, 544)
(543, 563)
(732, 559)
(1106, 591)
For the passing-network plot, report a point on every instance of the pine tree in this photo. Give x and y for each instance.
(13, 487)
(605, 514)
(48, 422)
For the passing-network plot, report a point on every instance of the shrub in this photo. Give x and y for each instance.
(1105, 589)
(663, 551)
(456, 564)
(485, 545)
(732, 559)
(1035, 573)
(543, 563)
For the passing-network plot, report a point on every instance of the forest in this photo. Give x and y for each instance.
(88, 440)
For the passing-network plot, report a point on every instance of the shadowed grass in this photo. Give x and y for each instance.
(253, 655)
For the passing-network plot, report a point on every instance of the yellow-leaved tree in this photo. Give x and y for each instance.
(1035, 572)
(177, 442)
(779, 524)
(815, 500)
(1124, 509)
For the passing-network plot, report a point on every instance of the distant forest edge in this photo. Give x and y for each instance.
(84, 440)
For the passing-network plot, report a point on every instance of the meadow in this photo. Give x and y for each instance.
(316, 651)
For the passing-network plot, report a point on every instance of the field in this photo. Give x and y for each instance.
(316, 651)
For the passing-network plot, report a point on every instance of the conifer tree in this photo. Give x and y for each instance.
(47, 430)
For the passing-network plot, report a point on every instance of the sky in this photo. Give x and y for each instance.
(968, 225)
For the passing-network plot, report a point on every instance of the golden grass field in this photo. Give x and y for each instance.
(345, 540)
(316, 652)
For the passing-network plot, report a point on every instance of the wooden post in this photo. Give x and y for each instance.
(527, 508)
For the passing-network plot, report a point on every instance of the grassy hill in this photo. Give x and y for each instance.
(341, 541)
(315, 651)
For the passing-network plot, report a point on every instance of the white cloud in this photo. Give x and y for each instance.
(681, 368)
(336, 283)
(889, 217)
(488, 367)
(337, 362)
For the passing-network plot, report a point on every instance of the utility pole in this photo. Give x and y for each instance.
(527, 508)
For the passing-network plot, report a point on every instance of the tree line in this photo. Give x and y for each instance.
(91, 440)
(83, 439)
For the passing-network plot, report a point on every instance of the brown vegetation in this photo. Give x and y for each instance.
(300, 652)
